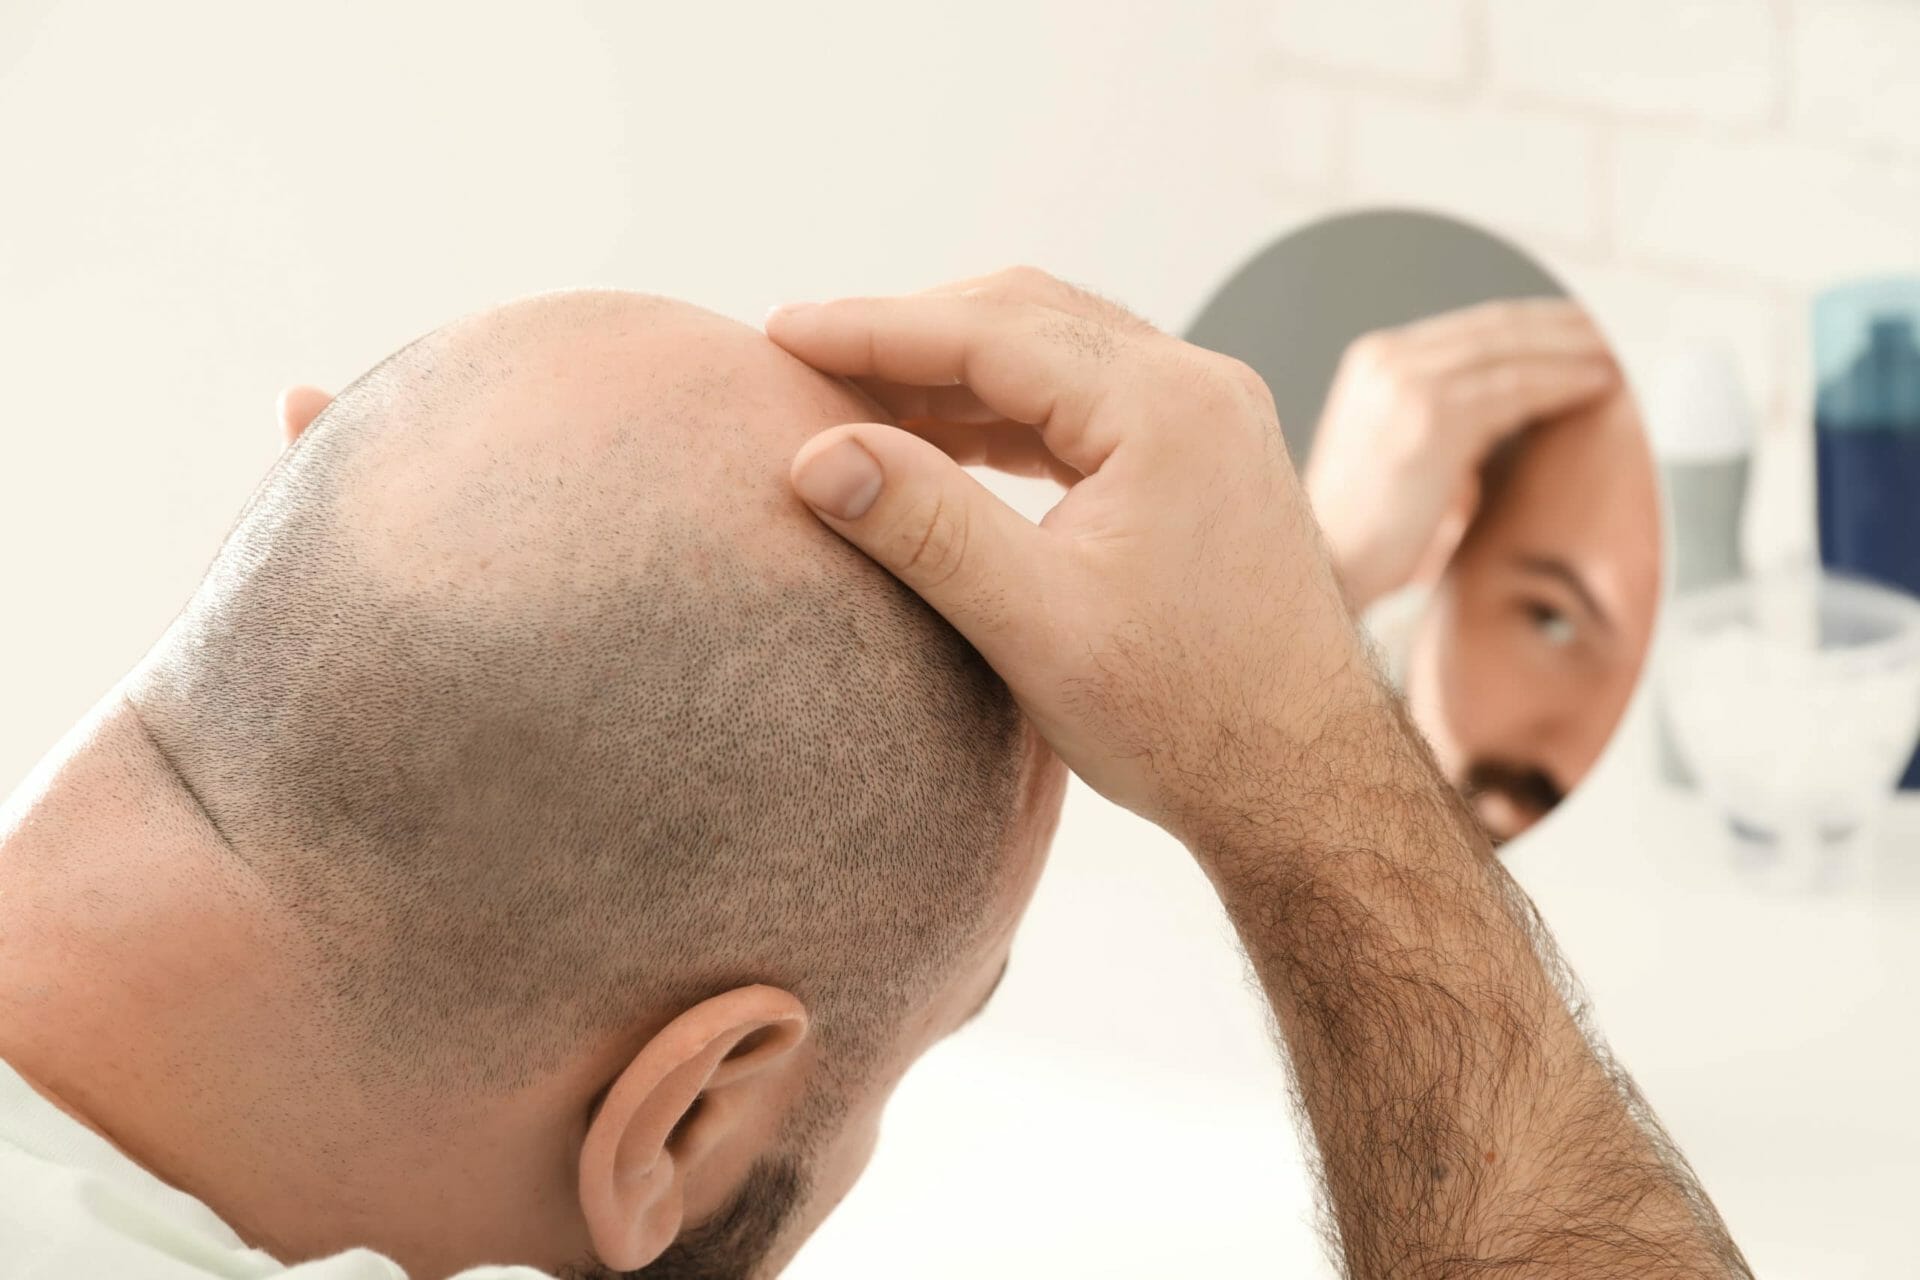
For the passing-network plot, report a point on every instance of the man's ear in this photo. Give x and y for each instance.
(299, 406)
(711, 1081)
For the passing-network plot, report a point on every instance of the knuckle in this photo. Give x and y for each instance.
(1452, 395)
(1417, 421)
(1234, 385)
(1415, 399)
(1248, 381)
(1230, 392)
(1026, 274)
(1504, 313)
(1372, 352)
(1518, 314)
(1020, 282)
(1042, 288)
(931, 545)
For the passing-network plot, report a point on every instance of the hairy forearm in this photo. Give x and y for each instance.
(1466, 1122)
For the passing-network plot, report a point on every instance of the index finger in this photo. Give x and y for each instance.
(1502, 399)
(1026, 362)
(1030, 284)
(1506, 329)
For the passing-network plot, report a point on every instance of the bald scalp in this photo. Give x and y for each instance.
(539, 702)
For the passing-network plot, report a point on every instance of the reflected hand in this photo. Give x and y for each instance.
(1413, 413)
(1173, 624)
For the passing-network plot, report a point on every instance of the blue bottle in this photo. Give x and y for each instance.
(1866, 350)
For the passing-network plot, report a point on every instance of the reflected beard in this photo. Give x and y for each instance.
(1531, 792)
(732, 1244)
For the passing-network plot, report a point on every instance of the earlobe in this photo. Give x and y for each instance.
(298, 407)
(633, 1215)
(692, 1086)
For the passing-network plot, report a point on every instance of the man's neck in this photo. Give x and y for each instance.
(153, 988)
(131, 951)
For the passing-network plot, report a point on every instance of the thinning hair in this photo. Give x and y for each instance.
(529, 733)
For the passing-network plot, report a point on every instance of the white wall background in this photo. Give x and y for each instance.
(201, 203)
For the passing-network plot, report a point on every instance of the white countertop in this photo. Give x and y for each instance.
(1119, 1111)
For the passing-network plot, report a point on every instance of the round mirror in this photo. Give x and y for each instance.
(1480, 469)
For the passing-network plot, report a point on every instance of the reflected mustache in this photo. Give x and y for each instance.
(1533, 790)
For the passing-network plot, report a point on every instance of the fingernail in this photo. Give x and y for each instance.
(785, 309)
(841, 480)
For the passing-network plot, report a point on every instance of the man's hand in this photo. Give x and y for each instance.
(298, 407)
(1175, 611)
(1174, 629)
(1415, 411)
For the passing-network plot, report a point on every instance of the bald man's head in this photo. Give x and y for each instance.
(537, 700)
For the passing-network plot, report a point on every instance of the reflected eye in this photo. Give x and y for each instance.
(1555, 627)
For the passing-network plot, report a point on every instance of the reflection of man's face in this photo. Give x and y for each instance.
(1528, 653)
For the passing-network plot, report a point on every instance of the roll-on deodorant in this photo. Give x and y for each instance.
(1701, 422)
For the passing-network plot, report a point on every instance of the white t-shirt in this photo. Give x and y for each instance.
(71, 1205)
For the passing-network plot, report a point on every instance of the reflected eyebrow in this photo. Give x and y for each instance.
(1562, 572)
(998, 978)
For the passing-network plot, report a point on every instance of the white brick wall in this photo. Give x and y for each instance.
(1532, 175)
(1696, 169)
(1426, 41)
(1856, 72)
(1305, 118)
(1798, 214)
(1688, 59)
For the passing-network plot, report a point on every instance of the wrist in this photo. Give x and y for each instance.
(1288, 760)
(1356, 796)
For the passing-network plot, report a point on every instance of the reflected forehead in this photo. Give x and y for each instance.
(1579, 493)
(1582, 486)
(1602, 446)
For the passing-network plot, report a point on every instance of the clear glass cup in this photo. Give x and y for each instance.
(1795, 701)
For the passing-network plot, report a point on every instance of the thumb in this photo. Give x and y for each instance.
(925, 520)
